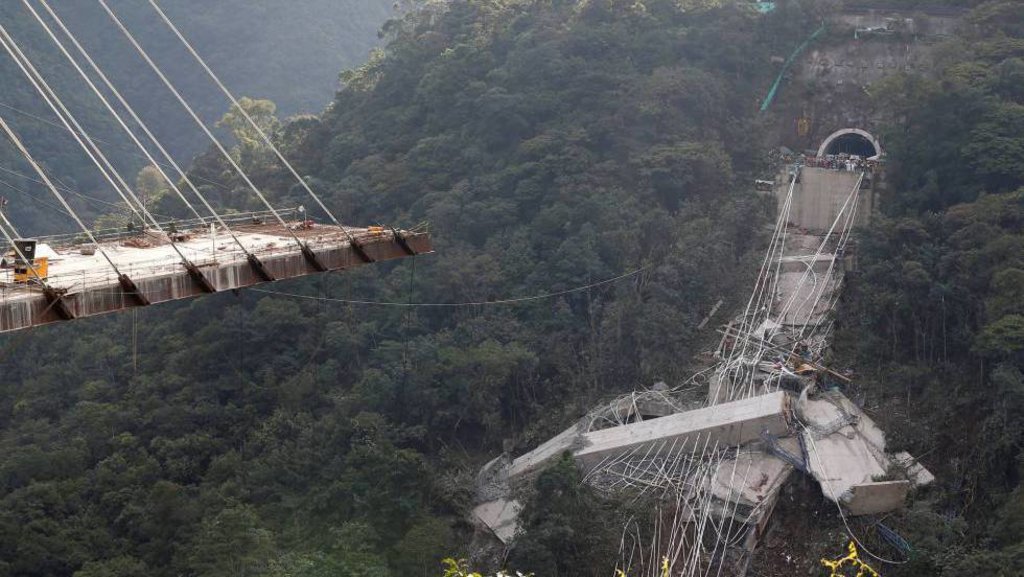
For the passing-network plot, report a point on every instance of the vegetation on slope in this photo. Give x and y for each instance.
(548, 145)
(935, 318)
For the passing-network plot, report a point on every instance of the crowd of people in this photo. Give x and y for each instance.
(842, 161)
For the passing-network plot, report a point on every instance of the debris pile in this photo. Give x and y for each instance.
(773, 406)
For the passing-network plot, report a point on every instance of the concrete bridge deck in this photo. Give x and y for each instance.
(85, 285)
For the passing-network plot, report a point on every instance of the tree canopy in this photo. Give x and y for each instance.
(547, 145)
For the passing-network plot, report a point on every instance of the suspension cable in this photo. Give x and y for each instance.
(128, 150)
(809, 272)
(263, 135)
(17, 249)
(97, 157)
(67, 119)
(145, 128)
(504, 301)
(106, 168)
(53, 189)
(107, 105)
(9, 224)
(85, 197)
(29, 196)
(188, 108)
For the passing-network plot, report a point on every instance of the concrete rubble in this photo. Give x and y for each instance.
(728, 424)
(750, 482)
(500, 516)
(772, 409)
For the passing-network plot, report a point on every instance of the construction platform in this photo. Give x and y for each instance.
(81, 283)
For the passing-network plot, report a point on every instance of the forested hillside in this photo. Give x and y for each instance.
(547, 146)
(935, 318)
(290, 52)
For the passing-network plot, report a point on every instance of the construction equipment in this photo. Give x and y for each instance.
(29, 268)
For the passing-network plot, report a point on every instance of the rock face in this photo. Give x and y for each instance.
(830, 86)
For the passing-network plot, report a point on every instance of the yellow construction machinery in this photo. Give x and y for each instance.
(29, 268)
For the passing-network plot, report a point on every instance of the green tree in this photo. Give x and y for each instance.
(116, 567)
(251, 150)
(231, 542)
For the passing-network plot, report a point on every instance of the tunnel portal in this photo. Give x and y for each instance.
(851, 141)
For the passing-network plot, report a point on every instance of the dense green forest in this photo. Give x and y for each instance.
(935, 318)
(290, 52)
(547, 145)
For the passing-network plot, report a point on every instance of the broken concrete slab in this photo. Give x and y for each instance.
(819, 263)
(539, 458)
(501, 516)
(840, 461)
(846, 453)
(749, 478)
(876, 497)
(804, 298)
(866, 426)
(822, 416)
(820, 195)
(726, 424)
(492, 480)
(916, 472)
(636, 406)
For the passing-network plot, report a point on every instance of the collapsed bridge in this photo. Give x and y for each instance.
(716, 450)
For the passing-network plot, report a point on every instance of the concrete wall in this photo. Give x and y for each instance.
(921, 23)
(819, 196)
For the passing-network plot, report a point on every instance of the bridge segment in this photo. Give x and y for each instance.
(80, 283)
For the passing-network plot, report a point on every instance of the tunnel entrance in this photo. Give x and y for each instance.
(851, 141)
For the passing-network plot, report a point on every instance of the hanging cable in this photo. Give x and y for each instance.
(306, 251)
(193, 271)
(253, 260)
(64, 115)
(110, 109)
(103, 164)
(827, 481)
(11, 226)
(85, 197)
(29, 195)
(808, 273)
(42, 174)
(105, 167)
(128, 150)
(125, 282)
(53, 296)
(508, 301)
(263, 135)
